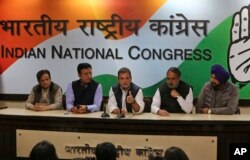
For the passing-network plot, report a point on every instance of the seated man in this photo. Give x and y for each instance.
(218, 96)
(174, 96)
(125, 96)
(84, 95)
(46, 95)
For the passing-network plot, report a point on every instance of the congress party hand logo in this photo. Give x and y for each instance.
(239, 48)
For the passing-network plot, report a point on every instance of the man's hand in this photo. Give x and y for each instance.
(204, 110)
(118, 111)
(239, 49)
(130, 99)
(80, 109)
(162, 112)
(174, 93)
(41, 107)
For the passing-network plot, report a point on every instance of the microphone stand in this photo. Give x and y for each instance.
(105, 114)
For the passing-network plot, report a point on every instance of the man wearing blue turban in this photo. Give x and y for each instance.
(218, 96)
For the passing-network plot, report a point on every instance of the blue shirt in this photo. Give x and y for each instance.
(70, 98)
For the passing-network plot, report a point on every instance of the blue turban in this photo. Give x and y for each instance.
(221, 74)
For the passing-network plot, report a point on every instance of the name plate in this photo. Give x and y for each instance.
(71, 145)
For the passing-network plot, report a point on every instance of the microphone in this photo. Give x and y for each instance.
(121, 115)
(105, 114)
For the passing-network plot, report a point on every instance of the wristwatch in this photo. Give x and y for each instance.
(209, 111)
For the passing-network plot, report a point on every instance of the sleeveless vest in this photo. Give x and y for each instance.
(84, 94)
(170, 103)
(53, 88)
(118, 95)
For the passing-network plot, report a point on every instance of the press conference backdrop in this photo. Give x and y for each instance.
(146, 36)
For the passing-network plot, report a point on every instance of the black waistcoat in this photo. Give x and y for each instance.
(118, 95)
(170, 103)
(84, 94)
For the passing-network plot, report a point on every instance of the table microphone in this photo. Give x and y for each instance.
(105, 114)
(121, 114)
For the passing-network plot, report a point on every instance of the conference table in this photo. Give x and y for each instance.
(225, 129)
